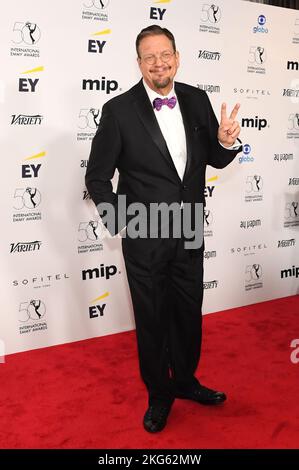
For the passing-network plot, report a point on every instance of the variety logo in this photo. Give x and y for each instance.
(253, 277)
(286, 243)
(250, 223)
(261, 25)
(209, 88)
(291, 92)
(24, 247)
(291, 272)
(256, 122)
(26, 120)
(96, 46)
(210, 17)
(208, 55)
(97, 309)
(246, 157)
(103, 271)
(293, 181)
(211, 284)
(100, 85)
(28, 85)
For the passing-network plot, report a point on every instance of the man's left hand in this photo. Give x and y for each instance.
(229, 129)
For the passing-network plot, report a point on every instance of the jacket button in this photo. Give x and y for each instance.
(185, 188)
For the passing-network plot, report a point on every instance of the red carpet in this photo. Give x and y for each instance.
(88, 394)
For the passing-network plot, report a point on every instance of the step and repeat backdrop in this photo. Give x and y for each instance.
(62, 278)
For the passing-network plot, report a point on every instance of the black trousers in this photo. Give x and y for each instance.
(166, 285)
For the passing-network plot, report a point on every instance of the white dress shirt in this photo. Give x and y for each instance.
(172, 128)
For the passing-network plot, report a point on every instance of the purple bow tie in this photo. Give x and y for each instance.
(158, 102)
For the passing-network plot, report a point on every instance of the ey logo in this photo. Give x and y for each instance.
(97, 309)
(158, 13)
(31, 170)
(209, 189)
(96, 46)
(28, 85)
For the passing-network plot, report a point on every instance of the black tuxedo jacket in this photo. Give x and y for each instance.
(129, 139)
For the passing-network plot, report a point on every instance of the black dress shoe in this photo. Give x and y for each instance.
(155, 418)
(203, 395)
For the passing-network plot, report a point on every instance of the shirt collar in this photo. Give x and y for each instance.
(153, 94)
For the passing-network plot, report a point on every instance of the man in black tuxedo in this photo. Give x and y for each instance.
(160, 135)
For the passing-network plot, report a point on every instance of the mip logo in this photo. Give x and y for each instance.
(33, 310)
(96, 46)
(158, 13)
(26, 33)
(97, 310)
(246, 154)
(100, 85)
(28, 85)
(31, 170)
(89, 118)
(261, 23)
(211, 13)
(98, 4)
(29, 198)
(258, 123)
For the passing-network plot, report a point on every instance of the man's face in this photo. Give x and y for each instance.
(159, 75)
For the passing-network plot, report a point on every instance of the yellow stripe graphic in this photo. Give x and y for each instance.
(163, 1)
(38, 155)
(37, 69)
(99, 33)
(214, 178)
(101, 297)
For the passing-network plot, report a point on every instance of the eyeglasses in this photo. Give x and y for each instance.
(151, 59)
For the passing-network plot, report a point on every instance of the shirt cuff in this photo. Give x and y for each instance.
(235, 146)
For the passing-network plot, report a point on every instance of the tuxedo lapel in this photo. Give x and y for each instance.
(187, 120)
(147, 116)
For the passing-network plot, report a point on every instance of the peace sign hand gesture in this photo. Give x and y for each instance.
(229, 129)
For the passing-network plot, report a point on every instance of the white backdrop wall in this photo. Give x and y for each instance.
(50, 233)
